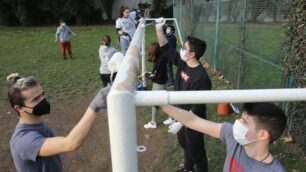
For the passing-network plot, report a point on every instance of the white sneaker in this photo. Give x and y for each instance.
(169, 121)
(150, 125)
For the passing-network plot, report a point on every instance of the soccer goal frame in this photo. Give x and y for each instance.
(123, 99)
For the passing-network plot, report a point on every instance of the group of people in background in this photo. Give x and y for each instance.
(35, 147)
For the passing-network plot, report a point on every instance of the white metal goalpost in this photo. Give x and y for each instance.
(123, 99)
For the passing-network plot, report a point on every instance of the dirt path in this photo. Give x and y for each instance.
(94, 155)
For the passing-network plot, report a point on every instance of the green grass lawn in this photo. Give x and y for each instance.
(32, 51)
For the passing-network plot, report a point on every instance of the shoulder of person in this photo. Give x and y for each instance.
(226, 132)
(202, 69)
(120, 19)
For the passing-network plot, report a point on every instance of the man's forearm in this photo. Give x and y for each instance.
(162, 40)
(190, 120)
(180, 115)
(80, 131)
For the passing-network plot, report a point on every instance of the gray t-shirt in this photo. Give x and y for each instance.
(236, 158)
(25, 145)
(105, 54)
(127, 24)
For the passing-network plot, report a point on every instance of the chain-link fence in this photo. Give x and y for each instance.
(244, 38)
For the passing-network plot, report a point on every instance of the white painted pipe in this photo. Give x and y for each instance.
(122, 131)
(179, 32)
(154, 98)
(121, 109)
(143, 57)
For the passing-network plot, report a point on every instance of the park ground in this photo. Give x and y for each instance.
(70, 85)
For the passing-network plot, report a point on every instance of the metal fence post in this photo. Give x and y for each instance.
(215, 60)
(242, 46)
(181, 16)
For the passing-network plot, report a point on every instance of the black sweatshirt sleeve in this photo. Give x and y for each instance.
(203, 84)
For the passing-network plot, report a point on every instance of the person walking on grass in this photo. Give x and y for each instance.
(247, 140)
(158, 75)
(34, 146)
(190, 75)
(62, 33)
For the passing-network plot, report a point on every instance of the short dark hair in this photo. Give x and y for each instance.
(268, 116)
(197, 46)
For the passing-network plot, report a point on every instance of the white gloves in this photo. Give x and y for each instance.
(175, 127)
(159, 23)
(115, 62)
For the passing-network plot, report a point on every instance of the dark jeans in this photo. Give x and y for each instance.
(194, 151)
(170, 73)
(105, 78)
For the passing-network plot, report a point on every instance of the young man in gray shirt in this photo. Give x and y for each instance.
(247, 140)
(34, 146)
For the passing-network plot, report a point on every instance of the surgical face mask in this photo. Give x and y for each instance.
(168, 31)
(239, 132)
(42, 108)
(183, 54)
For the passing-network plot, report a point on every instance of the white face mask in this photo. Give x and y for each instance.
(183, 54)
(239, 132)
(168, 31)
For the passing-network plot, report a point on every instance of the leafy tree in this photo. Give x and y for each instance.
(7, 16)
(40, 12)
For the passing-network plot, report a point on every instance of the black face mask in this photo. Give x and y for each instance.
(42, 108)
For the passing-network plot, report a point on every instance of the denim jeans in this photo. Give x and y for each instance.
(124, 43)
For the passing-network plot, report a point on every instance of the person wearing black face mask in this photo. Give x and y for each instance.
(34, 147)
(42, 108)
(106, 52)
